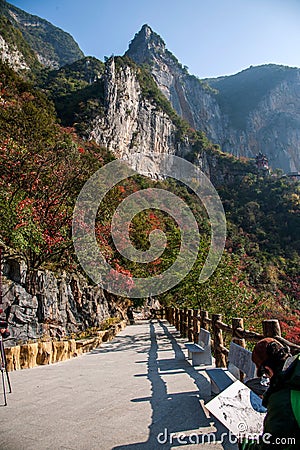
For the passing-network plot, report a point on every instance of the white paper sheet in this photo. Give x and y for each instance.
(237, 407)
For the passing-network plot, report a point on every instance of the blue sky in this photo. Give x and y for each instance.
(211, 37)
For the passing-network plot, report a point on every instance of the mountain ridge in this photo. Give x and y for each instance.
(212, 111)
(52, 46)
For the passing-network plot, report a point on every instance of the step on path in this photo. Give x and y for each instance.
(135, 392)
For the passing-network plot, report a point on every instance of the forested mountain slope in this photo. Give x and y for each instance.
(52, 46)
(59, 129)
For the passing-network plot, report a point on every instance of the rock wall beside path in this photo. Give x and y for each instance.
(54, 305)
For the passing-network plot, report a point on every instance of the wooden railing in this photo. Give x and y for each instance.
(188, 322)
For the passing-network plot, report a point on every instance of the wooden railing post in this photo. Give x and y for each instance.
(166, 313)
(195, 325)
(181, 321)
(177, 319)
(189, 325)
(238, 323)
(184, 330)
(203, 323)
(173, 315)
(271, 328)
(169, 314)
(218, 341)
(159, 314)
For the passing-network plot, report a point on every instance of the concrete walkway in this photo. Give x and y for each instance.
(136, 392)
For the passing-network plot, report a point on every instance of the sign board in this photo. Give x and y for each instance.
(241, 358)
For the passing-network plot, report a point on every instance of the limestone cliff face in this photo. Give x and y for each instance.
(264, 99)
(131, 123)
(263, 117)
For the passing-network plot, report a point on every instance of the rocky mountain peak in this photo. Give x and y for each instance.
(146, 31)
(185, 92)
(145, 45)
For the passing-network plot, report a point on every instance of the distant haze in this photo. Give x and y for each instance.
(212, 38)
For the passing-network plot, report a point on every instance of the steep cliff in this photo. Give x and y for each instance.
(262, 110)
(120, 106)
(257, 110)
(130, 122)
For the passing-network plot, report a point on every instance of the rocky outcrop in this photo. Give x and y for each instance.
(12, 56)
(133, 124)
(53, 305)
(254, 111)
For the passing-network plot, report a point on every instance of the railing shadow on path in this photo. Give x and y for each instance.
(176, 418)
(139, 344)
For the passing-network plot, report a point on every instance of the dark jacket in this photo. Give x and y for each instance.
(282, 422)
